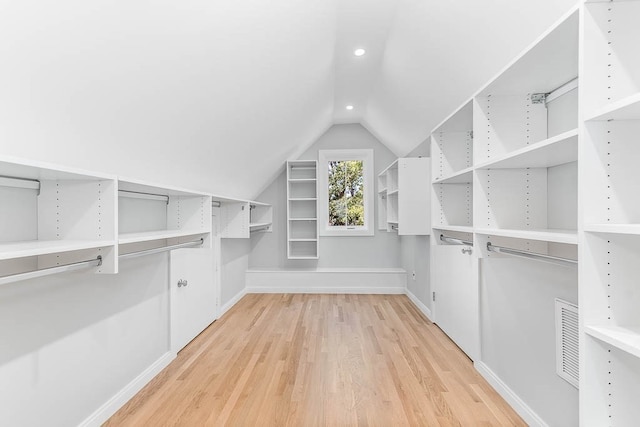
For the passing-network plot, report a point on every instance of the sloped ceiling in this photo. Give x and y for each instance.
(215, 95)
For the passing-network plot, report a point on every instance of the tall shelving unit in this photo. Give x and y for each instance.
(302, 210)
(610, 217)
(505, 198)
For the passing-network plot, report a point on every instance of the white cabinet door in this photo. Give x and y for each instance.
(193, 294)
(456, 296)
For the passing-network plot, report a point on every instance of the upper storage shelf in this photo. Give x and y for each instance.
(52, 215)
(612, 83)
(149, 212)
(452, 148)
(533, 99)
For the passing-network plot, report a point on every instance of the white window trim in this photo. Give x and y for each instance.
(324, 156)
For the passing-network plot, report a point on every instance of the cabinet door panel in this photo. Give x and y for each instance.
(456, 302)
(193, 294)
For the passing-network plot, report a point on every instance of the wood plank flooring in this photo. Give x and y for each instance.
(319, 360)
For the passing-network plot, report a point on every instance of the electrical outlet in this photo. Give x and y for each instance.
(413, 275)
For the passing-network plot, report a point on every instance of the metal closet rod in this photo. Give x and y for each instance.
(263, 227)
(455, 241)
(11, 181)
(142, 195)
(81, 265)
(162, 249)
(531, 255)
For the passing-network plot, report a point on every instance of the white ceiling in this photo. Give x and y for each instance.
(215, 94)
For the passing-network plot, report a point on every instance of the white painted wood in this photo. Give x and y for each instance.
(302, 210)
(193, 294)
(148, 236)
(545, 235)
(110, 407)
(516, 402)
(452, 205)
(456, 296)
(452, 152)
(414, 208)
(626, 339)
(420, 305)
(611, 64)
(503, 124)
(335, 280)
(464, 176)
(550, 152)
(548, 63)
(611, 175)
(234, 219)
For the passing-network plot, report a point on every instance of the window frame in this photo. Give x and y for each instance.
(366, 156)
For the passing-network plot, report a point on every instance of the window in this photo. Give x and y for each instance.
(345, 196)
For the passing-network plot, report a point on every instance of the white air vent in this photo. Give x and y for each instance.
(567, 341)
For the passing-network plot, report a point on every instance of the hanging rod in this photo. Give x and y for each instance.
(531, 255)
(260, 228)
(81, 265)
(145, 196)
(30, 184)
(546, 98)
(455, 241)
(162, 249)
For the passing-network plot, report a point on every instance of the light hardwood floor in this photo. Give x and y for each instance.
(319, 360)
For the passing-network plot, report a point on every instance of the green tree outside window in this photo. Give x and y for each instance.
(346, 193)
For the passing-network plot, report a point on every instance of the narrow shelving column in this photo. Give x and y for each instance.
(302, 210)
(610, 184)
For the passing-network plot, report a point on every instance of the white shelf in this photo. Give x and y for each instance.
(625, 109)
(613, 228)
(464, 176)
(302, 199)
(382, 191)
(303, 219)
(551, 152)
(392, 193)
(626, 339)
(303, 240)
(546, 235)
(302, 180)
(45, 247)
(148, 236)
(457, 228)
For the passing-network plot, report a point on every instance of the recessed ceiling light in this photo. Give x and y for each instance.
(349, 107)
(359, 52)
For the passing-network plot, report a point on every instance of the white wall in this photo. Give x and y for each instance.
(72, 341)
(518, 332)
(269, 250)
(235, 261)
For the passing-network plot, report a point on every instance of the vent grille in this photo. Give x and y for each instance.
(567, 341)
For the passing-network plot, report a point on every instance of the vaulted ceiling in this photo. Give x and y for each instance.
(216, 94)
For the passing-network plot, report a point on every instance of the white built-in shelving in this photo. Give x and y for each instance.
(241, 219)
(302, 210)
(504, 183)
(152, 216)
(403, 198)
(54, 216)
(610, 184)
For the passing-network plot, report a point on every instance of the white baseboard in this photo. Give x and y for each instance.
(233, 301)
(328, 281)
(103, 413)
(419, 304)
(324, 290)
(518, 405)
